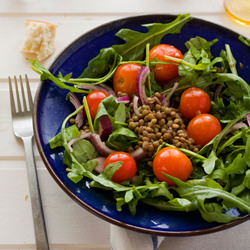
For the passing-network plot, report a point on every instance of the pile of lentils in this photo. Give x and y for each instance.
(156, 124)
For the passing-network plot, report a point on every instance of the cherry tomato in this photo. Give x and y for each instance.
(194, 101)
(173, 162)
(93, 99)
(126, 171)
(203, 128)
(124, 79)
(165, 72)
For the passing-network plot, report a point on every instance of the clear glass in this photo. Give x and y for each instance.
(239, 10)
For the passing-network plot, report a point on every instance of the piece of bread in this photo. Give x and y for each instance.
(39, 39)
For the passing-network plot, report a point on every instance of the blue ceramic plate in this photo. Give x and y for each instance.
(51, 109)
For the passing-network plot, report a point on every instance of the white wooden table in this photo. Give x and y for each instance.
(69, 225)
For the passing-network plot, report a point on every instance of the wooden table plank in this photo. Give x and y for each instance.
(67, 222)
(109, 6)
(69, 225)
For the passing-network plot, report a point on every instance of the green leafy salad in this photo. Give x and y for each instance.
(159, 127)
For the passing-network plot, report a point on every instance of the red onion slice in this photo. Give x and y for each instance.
(162, 97)
(134, 179)
(248, 120)
(135, 104)
(100, 147)
(100, 166)
(82, 136)
(138, 154)
(105, 127)
(80, 115)
(94, 87)
(110, 90)
(141, 78)
(124, 99)
(166, 100)
(217, 93)
(170, 83)
(235, 126)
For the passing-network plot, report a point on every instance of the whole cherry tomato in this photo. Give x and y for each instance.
(194, 101)
(124, 79)
(93, 99)
(203, 128)
(173, 162)
(126, 171)
(165, 72)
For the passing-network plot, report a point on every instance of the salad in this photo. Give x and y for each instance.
(160, 126)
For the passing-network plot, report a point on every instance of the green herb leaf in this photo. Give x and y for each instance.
(122, 139)
(70, 133)
(135, 42)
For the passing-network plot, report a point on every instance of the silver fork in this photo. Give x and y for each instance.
(22, 126)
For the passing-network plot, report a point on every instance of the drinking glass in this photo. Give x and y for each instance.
(239, 10)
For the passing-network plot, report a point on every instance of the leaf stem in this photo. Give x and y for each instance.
(231, 60)
(148, 65)
(65, 121)
(188, 152)
(86, 106)
(229, 141)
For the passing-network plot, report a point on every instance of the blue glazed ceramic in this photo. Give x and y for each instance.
(51, 109)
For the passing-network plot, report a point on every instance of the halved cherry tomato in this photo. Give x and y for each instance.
(165, 72)
(203, 128)
(194, 101)
(173, 162)
(126, 171)
(124, 79)
(93, 99)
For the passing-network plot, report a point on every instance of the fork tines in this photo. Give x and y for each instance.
(22, 105)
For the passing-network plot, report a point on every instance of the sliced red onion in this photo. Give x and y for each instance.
(134, 179)
(138, 154)
(135, 104)
(170, 83)
(105, 127)
(141, 78)
(100, 147)
(162, 97)
(94, 87)
(80, 115)
(235, 126)
(166, 100)
(110, 90)
(100, 166)
(248, 119)
(124, 99)
(82, 136)
(217, 93)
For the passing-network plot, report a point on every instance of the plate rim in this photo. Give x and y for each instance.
(77, 199)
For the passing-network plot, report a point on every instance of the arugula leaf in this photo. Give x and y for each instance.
(70, 133)
(231, 60)
(214, 212)
(77, 171)
(209, 163)
(60, 81)
(176, 204)
(100, 65)
(246, 41)
(238, 88)
(120, 116)
(203, 194)
(83, 151)
(114, 110)
(121, 139)
(135, 42)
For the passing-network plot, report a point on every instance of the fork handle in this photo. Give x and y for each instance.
(36, 202)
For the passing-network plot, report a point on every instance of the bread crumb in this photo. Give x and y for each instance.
(39, 39)
(26, 197)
